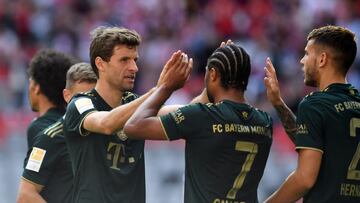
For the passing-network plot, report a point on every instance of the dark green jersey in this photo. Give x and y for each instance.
(48, 164)
(329, 121)
(227, 146)
(42, 122)
(107, 168)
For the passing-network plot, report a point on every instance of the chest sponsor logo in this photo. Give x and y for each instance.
(83, 104)
(36, 158)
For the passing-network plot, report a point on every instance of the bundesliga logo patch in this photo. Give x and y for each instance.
(36, 158)
(83, 104)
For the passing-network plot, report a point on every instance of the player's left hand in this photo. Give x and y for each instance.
(271, 83)
(177, 76)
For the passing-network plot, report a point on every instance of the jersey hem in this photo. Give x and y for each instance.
(162, 126)
(29, 181)
(86, 133)
(311, 148)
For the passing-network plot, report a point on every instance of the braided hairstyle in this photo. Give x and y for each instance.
(233, 64)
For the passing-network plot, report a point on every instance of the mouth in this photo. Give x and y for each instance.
(130, 77)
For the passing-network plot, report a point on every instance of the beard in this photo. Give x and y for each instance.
(311, 74)
(310, 79)
(310, 83)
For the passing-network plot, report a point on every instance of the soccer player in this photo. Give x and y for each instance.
(227, 140)
(47, 77)
(327, 127)
(109, 167)
(48, 173)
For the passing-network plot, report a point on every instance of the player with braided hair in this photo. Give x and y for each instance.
(227, 140)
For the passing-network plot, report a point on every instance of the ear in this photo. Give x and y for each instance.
(37, 89)
(213, 75)
(67, 95)
(322, 59)
(99, 62)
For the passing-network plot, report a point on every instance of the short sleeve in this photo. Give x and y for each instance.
(183, 122)
(41, 160)
(309, 126)
(75, 114)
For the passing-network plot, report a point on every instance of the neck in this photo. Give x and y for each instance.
(44, 106)
(111, 95)
(328, 78)
(231, 94)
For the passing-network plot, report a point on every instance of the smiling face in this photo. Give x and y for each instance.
(311, 71)
(120, 71)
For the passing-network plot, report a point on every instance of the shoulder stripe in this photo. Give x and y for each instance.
(53, 134)
(311, 148)
(53, 128)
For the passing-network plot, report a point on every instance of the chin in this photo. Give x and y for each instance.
(128, 89)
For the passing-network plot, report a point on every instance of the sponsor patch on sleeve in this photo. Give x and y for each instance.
(84, 104)
(36, 158)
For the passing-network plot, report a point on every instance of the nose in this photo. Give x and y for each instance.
(302, 60)
(133, 67)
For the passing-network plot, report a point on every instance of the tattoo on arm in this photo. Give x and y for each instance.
(288, 120)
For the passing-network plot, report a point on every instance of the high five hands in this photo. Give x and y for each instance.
(176, 71)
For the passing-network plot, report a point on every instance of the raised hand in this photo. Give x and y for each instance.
(272, 84)
(227, 43)
(177, 75)
(171, 63)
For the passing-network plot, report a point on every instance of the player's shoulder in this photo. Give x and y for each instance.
(315, 97)
(263, 113)
(89, 94)
(315, 101)
(55, 130)
(82, 102)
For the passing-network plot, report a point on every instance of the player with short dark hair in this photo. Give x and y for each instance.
(227, 140)
(47, 77)
(47, 172)
(326, 129)
(109, 167)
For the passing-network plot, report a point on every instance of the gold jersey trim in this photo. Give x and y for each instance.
(86, 133)
(162, 126)
(54, 129)
(311, 148)
(29, 181)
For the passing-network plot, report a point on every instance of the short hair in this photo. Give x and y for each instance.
(340, 40)
(233, 64)
(80, 72)
(48, 69)
(104, 39)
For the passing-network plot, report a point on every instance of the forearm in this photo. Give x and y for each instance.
(146, 116)
(290, 191)
(29, 192)
(288, 119)
(151, 106)
(113, 121)
(27, 197)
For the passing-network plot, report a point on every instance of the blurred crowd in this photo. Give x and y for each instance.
(274, 28)
(265, 28)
